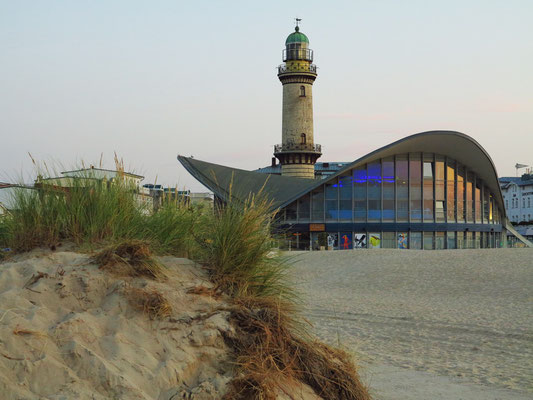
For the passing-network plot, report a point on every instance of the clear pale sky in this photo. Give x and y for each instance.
(153, 79)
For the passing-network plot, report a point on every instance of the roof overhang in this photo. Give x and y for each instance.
(285, 190)
(239, 184)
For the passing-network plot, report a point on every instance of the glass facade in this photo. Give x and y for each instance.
(374, 191)
(345, 198)
(429, 178)
(402, 188)
(359, 185)
(440, 240)
(450, 191)
(440, 190)
(332, 198)
(460, 199)
(389, 209)
(427, 240)
(415, 187)
(428, 190)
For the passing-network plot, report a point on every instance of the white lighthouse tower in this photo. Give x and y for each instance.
(297, 152)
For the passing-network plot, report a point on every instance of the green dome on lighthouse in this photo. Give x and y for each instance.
(296, 37)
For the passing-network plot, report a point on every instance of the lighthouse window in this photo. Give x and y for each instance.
(302, 91)
(303, 139)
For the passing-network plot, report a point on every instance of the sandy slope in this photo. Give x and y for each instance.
(74, 335)
(462, 318)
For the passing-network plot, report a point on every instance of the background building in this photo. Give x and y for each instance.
(518, 197)
(432, 190)
(8, 196)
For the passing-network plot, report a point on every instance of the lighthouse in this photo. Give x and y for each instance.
(297, 152)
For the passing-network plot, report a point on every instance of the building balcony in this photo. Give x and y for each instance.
(305, 68)
(298, 148)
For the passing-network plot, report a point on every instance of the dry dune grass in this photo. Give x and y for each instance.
(204, 291)
(269, 353)
(150, 302)
(130, 258)
(22, 331)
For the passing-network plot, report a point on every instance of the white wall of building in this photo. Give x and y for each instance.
(518, 201)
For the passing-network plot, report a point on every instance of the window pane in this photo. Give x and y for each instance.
(440, 240)
(331, 210)
(388, 189)
(359, 240)
(469, 204)
(345, 194)
(290, 211)
(304, 208)
(332, 195)
(460, 194)
(477, 240)
(428, 240)
(359, 177)
(491, 209)
(415, 187)
(428, 171)
(469, 240)
(415, 241)
(460, 240)
(346, 241)
(303, 240)
(478, 203)
(450, 195)
(440, 205)
(317, 204)
(389, 240)
(486, 206)
(374, 191)
(402, 189)
(403, 240)
(451, 240)
(333, 240)
(374, 240)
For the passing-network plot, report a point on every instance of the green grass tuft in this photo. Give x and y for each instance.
(91, 212)
(237, 246)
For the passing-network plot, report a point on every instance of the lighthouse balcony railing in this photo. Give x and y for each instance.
(284, 69)
(283, 148)
(298, 54)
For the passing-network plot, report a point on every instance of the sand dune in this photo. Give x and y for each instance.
(73, 334)
(69, 330)
(463, 317)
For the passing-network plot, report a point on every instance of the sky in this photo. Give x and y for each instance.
(81, 80)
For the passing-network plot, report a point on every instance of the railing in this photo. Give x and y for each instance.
(282, 69)
(280, 148)
(298, 54)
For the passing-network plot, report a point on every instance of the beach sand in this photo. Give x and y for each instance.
(74, 333)
(453, 324)
(70, 330)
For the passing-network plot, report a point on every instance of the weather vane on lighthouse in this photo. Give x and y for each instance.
(298, 20)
